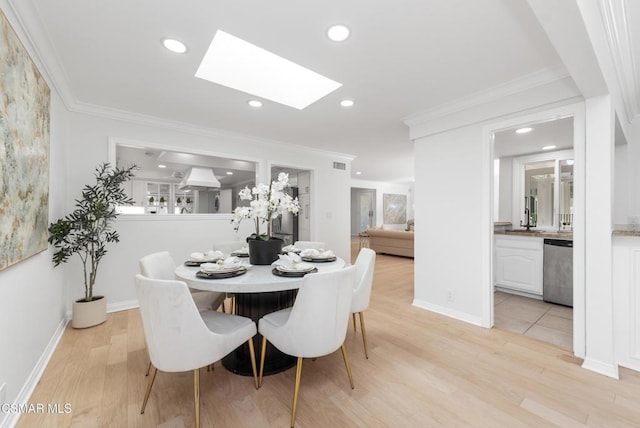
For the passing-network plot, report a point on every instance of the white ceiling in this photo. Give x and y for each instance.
(557, 132)
(403, 57)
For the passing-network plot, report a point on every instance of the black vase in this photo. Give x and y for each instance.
(264, 252)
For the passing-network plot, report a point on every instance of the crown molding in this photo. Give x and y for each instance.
(521, 84)
(189, 128)
(616, 23)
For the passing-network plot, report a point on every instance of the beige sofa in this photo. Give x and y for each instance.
(394, 242)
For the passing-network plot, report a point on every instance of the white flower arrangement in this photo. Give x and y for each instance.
(267, 203)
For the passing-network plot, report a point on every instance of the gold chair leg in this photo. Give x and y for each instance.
(364, 335)
(346, 363)
(148, 391)
(148, 369)
(252, 354)
(263, 351)
(196, 396)
(296, 389)
(353, 315)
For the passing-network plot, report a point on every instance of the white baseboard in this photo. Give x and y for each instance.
(610, 370)
(122, 306)
(32, 381)
(115, 307)
(448, 312)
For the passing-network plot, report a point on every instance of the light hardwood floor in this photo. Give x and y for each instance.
(424, 370)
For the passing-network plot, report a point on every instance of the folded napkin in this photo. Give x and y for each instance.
(292, 261)
(211, 255)
(243, 250)
(312, 252)
(226, 264)
(196, 256)
(290, 248)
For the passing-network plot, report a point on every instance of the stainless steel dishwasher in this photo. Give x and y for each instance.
(557, 274)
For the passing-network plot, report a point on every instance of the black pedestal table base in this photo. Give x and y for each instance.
(255, 306)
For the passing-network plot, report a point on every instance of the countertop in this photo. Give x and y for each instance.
(537, 234)
(626, 230)
(618, 230)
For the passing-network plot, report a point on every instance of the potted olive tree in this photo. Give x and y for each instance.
(86, 232)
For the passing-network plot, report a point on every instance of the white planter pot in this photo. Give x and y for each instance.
(88, 314)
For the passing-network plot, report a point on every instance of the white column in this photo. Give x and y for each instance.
(600, 126)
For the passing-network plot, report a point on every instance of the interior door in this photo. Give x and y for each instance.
(365, 209)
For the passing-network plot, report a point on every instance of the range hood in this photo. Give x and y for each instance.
(199, 178)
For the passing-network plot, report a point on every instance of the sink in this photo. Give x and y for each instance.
(520, 231)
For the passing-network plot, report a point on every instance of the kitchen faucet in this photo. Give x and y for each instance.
(527, 214)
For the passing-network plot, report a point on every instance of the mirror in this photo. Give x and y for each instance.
(565, 218)
(539, 188)
(534, 175)
(162, 184)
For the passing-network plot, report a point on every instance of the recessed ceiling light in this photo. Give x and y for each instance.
(346, 103)
(338, 33)
(549, 147)
(229, 173)
(523, 130)
(255, 103)
(240, 65)
(359, 173)
(174, 45)
(162, 166)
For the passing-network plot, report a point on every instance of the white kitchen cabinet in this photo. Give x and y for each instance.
(518, 263)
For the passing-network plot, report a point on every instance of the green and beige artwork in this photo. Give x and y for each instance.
(24, 152)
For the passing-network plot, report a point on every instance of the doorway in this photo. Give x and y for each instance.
(288, 227)
(516, 301)
(363, 212)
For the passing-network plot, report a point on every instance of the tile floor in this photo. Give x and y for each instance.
(534, 318)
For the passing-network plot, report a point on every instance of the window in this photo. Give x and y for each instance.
(543, 183)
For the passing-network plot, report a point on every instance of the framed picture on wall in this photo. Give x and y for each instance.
(24, 153)
(394, 208)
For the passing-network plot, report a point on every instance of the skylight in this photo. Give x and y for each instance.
(240, 65)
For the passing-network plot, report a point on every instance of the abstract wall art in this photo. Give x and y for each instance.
(24, 152)
(394, 208)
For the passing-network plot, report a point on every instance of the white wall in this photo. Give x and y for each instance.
(505, 198)
(449, 244)
(87, 146)
(623, 195)
(32, 304)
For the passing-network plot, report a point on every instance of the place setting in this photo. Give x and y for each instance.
(291, 249)
(198, 258)
(291, 265)
(223, 268)
(241, 252)
(317, 256)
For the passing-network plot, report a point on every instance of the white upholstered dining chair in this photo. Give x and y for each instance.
(365, 264)
(305, 245)
(179, 338)
(160, 265)
(315, 326)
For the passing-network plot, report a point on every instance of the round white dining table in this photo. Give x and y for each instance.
(257, 293)
(258, 279)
